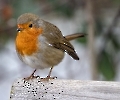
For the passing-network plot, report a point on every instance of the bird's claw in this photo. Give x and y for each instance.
(48, 78)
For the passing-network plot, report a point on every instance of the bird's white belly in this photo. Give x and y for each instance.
(43, 60)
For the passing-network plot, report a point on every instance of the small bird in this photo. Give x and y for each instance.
(40, 44)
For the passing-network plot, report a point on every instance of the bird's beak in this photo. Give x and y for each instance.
(19, 29)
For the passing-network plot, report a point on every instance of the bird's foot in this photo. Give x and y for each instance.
(31, 77)
(48, 78)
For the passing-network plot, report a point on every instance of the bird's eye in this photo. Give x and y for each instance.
(30, 25)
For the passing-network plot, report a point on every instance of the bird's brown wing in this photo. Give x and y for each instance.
(55, 38)
(66, 46)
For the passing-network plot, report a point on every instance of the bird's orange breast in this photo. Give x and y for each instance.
(27, 41)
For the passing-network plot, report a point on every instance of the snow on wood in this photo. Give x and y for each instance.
(64, 90)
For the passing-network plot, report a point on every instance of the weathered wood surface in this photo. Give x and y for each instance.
(65, 90)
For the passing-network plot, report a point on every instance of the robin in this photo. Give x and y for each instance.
(41, 44)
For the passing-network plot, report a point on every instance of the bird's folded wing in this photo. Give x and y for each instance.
(67, 47)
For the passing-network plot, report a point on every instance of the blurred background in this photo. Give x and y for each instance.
(99, 51)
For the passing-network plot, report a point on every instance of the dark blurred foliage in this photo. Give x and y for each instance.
(106, 56)
(107, 63)
(11, 9)
(66, 7)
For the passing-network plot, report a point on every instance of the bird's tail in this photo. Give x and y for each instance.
(74, 36)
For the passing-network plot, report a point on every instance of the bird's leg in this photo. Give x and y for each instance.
(49, 77)
(31, 76)
(50, 72)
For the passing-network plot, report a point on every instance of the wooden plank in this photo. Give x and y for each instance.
(65, 90)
